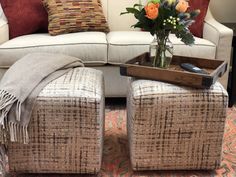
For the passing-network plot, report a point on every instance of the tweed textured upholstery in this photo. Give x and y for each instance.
(67, 16)
(66, 128)
(172, 127)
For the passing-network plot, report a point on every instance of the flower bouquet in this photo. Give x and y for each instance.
(160, 18)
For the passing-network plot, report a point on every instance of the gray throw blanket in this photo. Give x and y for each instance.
(20, 87)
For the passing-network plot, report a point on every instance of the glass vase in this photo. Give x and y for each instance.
(161, 52)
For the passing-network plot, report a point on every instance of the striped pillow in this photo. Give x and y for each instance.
(68, 16)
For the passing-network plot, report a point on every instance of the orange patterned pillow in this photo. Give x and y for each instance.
(68, 16)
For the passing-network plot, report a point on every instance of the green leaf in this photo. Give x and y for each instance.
(138, 5)
(122, 13)
(137, 25)
(154, 1)
(186, 37)
(132, 10)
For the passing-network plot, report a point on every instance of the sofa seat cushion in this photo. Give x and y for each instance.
(91, 47)
(125, 45)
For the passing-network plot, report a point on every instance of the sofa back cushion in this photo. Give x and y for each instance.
(67, 16)
(2, 15)
(117, 22)
(25, 16)
(112, 10)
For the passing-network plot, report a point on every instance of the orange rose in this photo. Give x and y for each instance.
(151, 10)
(182, 6)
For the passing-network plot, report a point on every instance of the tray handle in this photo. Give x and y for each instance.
(220, 71)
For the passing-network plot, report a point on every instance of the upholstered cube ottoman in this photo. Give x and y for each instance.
(66, 128)
(172, 127)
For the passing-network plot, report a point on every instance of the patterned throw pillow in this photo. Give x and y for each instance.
(68, 16)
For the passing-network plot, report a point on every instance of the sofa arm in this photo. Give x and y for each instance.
(4, 31)
(222, 37)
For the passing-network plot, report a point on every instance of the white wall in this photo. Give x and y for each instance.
(224, 10)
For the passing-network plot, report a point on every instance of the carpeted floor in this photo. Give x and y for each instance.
(116, 154)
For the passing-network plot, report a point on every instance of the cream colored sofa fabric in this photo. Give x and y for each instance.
(121, 44)
(2, 15)
(201, 49)
(124, 45)
(91, 47)
(4, 31)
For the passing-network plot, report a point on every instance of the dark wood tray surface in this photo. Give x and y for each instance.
(140, 67)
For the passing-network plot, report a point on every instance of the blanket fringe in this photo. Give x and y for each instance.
(18, 133)
(18, 110)
(6, 99)
(6, 102)
(3, 138)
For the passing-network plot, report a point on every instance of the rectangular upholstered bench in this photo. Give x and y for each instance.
(172, 127)
(66, 128)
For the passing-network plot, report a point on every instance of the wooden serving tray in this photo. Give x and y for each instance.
(141, 67)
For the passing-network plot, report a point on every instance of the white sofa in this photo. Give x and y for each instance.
(106, 51)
